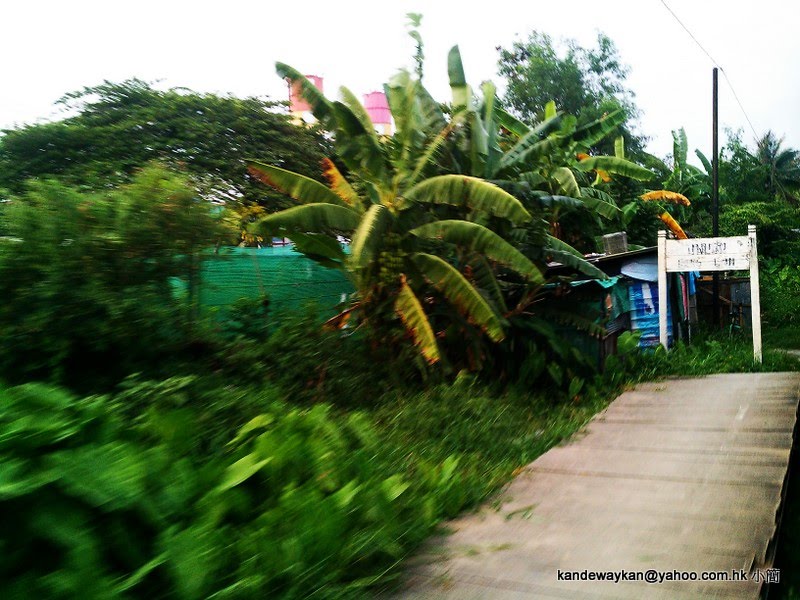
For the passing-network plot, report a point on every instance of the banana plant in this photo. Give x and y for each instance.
(424, 253)
(544, 164)
(683, 185)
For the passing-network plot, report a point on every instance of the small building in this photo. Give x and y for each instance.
(629, 300)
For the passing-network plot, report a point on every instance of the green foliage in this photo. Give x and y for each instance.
(552, 348)
(759, 188)
(415, 227)
(86, 279)
(125, 496)
(775, 223)
(547, 167)
(780, 293)
(706, 354)
(313, 508)
(741, 178)
(82, 502)
(195, 415)
(782, 166)
(767, 173)
(321, 364)
(118, 128)
(249, 318)
(583, 82)
(491, 431)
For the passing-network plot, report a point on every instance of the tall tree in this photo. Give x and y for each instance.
(741, 178)
(584, 82)
(782, 167)
(117, 128)
(760, 186)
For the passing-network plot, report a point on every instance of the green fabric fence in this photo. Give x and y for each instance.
(288, 278)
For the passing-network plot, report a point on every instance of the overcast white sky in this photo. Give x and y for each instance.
(48, 48)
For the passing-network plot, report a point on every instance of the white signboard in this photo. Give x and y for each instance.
(710, 254)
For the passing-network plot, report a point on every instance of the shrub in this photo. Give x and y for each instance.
(82, 502)
(308, 507)
(98, 502)
(780, 288)
(776, 223)
(706, 354)
(86, 280)
(314, 363)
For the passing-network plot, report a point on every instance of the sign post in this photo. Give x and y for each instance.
(755, 294)
(710, 254)
(662, 289)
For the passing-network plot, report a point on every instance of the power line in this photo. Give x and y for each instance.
(716, 64)
(691, 35)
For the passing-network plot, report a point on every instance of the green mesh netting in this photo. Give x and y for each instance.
(289, 279)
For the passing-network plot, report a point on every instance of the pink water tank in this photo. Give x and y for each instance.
(378, 108)
(296, 102)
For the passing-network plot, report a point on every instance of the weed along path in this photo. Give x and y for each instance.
(678, 481)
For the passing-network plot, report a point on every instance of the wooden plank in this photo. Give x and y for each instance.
(672, 477)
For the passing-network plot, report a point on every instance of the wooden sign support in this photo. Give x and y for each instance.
(710, 254)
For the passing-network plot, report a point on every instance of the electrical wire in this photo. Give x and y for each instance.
(716, 64)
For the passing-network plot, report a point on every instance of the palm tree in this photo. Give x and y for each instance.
(782, 167)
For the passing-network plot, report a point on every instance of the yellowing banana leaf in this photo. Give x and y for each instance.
(301, 188)
(673, 226)
(666, 196)
(339, 185)
(408, 308)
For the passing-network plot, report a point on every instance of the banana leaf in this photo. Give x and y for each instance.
(617, 166)
(470, 192)
(477, 238)
(301, 188)
(409, 309)
(308, 218)
(460, 293)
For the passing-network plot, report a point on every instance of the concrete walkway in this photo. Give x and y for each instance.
(677, 476)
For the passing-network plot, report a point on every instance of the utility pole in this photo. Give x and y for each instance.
(715, 187)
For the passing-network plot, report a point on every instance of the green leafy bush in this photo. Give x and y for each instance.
(195, 415)
(314, 363)
(86, 279)
(308, 507)
(780, 289)
(776, 224)
(83, 503)
(706, 354)
(106, 497)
